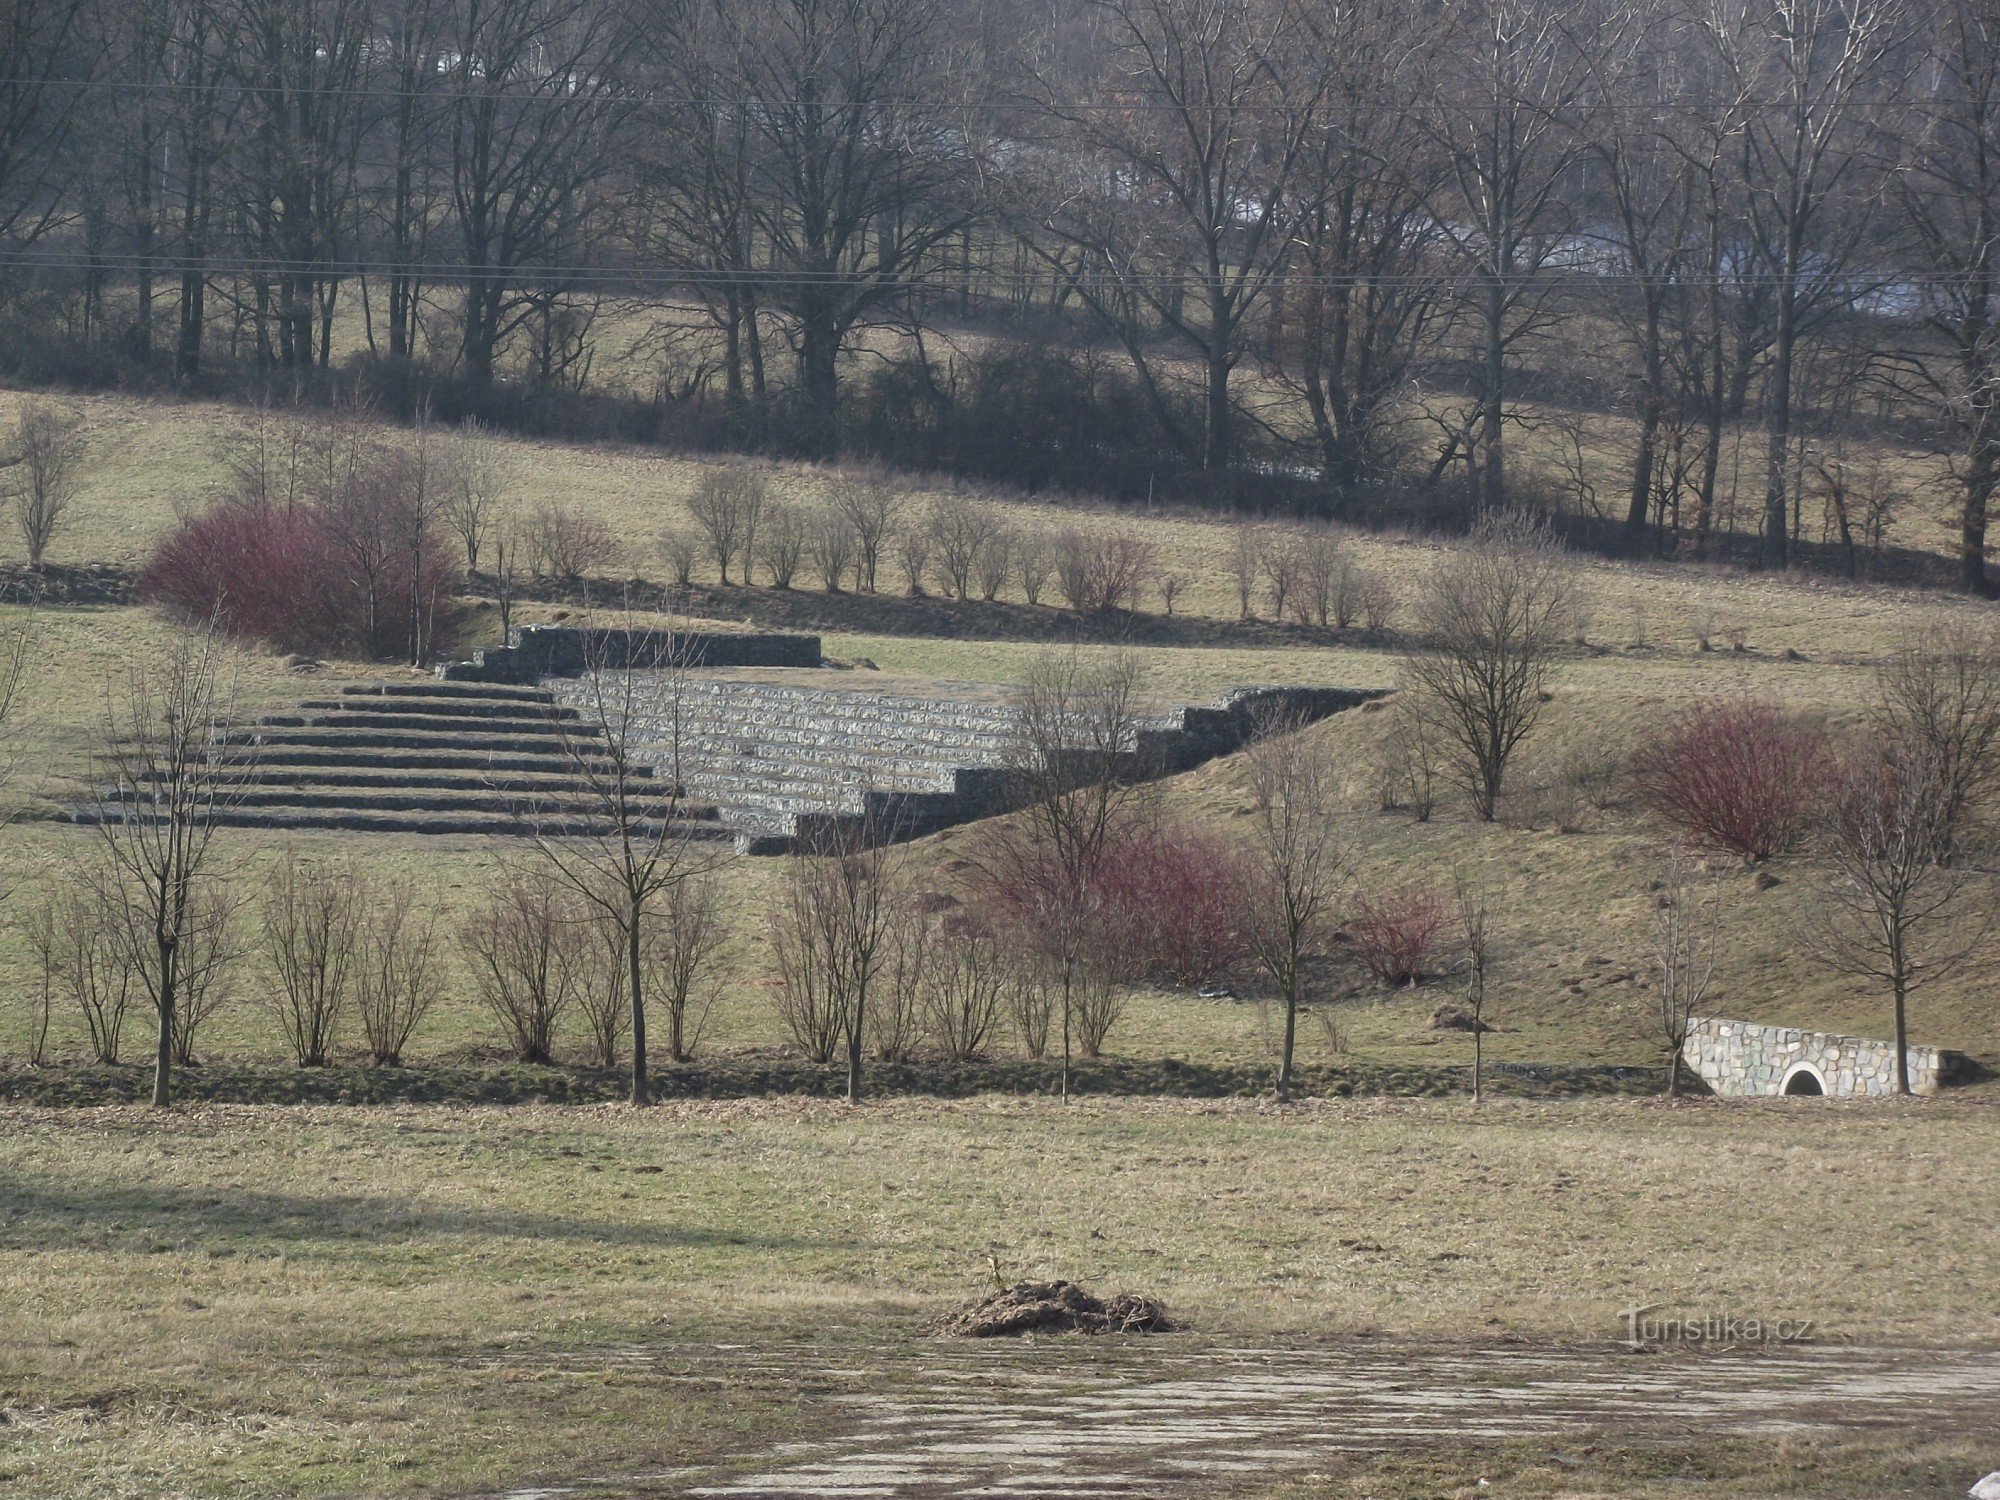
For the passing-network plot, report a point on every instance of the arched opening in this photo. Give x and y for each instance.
(1804, 1080)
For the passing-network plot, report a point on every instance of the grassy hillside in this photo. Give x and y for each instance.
(1570, 885)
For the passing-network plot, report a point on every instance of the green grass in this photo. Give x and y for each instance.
(327, 1301)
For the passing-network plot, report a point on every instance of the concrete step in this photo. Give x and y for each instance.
(363, 821)
(470, 798)
(462, 691)
(410, 706)
(285, 755)
(281, 737)
(395, 780)
(452, 725)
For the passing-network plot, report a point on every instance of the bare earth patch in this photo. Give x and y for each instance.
(1042, 1419)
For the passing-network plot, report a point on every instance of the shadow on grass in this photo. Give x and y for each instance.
(39, 1214)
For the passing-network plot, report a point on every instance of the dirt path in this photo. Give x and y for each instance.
(1170, 1419)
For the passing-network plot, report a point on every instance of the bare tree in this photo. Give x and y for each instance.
(1206, 135)
(1896, 909)
(687, 945)
(830, 546)
(782, 539)
(524, 951)
(726, 504)
(398, 978)
(621, 844)
(43, 462)
(312, 915)
(1689, 944)
(1476, 947)
(872, 509)
(961, 532)
(1298, 859)
(173, 778)
(471, 483)
(1939, 695)
(1075, 763)
(1494, 612)
(832, 931)
(1813, 68)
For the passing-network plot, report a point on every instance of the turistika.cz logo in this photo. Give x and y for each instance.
(1650, 1326)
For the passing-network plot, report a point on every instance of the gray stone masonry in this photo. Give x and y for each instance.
(539, 651)
(784, 763)
(1737, 1059)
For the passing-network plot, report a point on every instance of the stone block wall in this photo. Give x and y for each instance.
(540, 651)
(1738, 1059)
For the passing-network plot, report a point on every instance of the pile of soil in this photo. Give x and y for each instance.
(1052, 1307)
(1454, 1018)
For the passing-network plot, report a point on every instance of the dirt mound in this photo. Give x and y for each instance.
(1052, 1307)
(1454, 1018)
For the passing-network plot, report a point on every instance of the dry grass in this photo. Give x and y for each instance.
(270, 1301)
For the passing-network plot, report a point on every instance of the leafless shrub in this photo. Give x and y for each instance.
(914, 543)
(1278, 564)
(312, 922)
(1411, 755)
(1689, 932)
(522, 950)
(871, 508)
(1493, 612)
(1099, 1002)
(1100, 573)
(96, 967)
(995, 563)
(1031, 996)
(680, 548)
(1034, 563)
(686, 953)
(603, 989)
(726, 506)
(832, 932)
(208, 953)
(1320, 564)
(472, 485)
(968, 986)
(781, 542)
(567, 544)
(807, 1004)
(1169, 582)
(1246, 547)
(42, 930)
(1332, 1033)
(896, 1009)
(1377, 603)
(960, 532)
(42, 461)
(397, 977)
(830, 546)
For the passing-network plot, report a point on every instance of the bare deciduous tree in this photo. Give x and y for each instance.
(832, 933)
(1476, 963)
(471, 483)
(1897, 908)
(1494, 613)
(872, 509)
(312, 913)
(1298, 859)
(726, 505)
(397, 975)
(172, 778)
(43, 461)
(622, 844)
(1689, 944)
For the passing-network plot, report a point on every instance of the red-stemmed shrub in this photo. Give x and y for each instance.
(1744, 777)
(1170, 897)
(1395, 932)
(319, 578)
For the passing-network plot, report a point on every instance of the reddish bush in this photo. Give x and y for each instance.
(1744, 777)
(1395, 933)
(308, 578)
(1170, 897)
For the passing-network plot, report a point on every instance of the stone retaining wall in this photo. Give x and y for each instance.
(1737, 1059)
(540, 651)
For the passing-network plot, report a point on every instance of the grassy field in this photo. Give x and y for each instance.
(271, 1301)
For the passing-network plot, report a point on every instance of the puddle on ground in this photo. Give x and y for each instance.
(1172, 1418)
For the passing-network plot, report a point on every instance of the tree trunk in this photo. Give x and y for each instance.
(1649, 433)
(1291, 1033)
(1902, 1041)
(633, 935)
(1775, 551)
(163, 1057)
(1979, 481)
(819, 378)
(1493, 479)
(1478, 1056)
(854, 1035)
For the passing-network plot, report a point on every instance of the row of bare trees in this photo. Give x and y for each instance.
(1394, 222)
